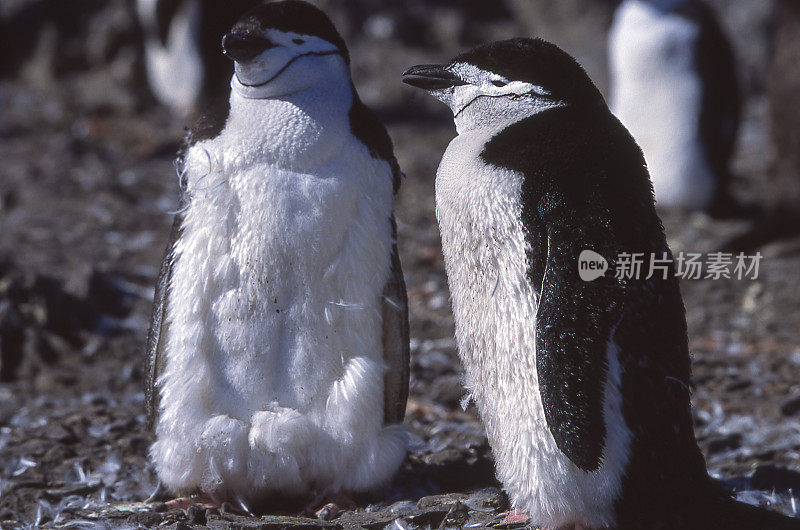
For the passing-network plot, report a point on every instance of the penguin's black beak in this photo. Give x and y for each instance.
(242, 47)
(431, 77)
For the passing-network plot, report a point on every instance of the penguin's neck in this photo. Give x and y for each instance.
(300, 131)
(491, 116)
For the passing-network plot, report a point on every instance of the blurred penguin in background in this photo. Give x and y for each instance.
(674, 86)
(185, 70)
(782, 216)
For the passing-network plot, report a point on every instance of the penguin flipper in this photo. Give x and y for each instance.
(572, 341)
(366, 126)
(396, 349)
(156, 336)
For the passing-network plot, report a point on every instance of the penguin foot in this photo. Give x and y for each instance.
(338, 503)
(513, 519)
(328, 512)
(517, 518)
(184, 503)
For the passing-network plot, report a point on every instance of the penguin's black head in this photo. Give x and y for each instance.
(506, 80)
(284, 47)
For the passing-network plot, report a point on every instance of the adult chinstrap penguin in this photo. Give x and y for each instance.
(584, 387)
(674, 86)
(278, 349)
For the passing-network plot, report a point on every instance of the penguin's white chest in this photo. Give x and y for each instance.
(274, 353)
(276, 247)
(657, 93)
(484, 244)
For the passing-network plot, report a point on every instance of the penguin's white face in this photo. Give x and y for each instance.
(276, 63)
(480, 98)
(502, 82)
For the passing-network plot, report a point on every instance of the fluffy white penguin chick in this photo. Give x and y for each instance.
(278, 350)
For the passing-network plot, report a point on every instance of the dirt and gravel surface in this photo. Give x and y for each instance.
(86, 187)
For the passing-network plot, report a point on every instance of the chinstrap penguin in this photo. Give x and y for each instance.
(181, 39)
(583, 387)
(278, 348)
(782, 212)
(674, 86)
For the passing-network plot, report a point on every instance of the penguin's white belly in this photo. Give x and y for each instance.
(657, 94)
(494, 304)
(274, 372)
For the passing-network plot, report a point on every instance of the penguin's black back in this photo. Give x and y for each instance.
(584, 174)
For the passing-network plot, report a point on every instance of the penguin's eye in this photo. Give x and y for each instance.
(298, 41)
(498, 83)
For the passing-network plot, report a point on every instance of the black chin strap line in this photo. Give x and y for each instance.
(287, 65)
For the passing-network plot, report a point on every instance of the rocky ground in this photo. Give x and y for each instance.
(86, 187)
